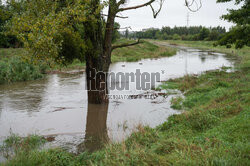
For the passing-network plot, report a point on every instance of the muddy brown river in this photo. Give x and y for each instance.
(57, 106)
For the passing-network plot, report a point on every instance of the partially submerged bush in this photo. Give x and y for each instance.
(17, 70)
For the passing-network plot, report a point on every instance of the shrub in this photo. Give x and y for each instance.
(176, 37)
(17, 70)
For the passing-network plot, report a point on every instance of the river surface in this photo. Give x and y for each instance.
(57, 105)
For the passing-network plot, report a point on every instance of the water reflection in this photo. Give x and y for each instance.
(96, 127)
(205, 56)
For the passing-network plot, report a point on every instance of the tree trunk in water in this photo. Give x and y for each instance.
(98, 55)
(96, 134)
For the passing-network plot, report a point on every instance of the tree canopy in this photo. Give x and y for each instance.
(240, 34)
(44, 26)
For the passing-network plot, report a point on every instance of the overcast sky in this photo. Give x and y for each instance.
(175, 13)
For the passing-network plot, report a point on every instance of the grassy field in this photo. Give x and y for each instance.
(140, 51)
(214, 129)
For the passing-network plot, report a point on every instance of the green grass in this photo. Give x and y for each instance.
(75, 65)
(140, 51)
(214, 129)
(16, 145)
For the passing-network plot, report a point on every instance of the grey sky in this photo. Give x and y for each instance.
(175, 13)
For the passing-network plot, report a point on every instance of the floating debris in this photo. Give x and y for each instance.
(50, 138)
(61, 108)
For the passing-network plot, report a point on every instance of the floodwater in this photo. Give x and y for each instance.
(58, 107)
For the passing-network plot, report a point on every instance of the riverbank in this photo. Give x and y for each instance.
(14, 69)
(140, 51)
(214, 129)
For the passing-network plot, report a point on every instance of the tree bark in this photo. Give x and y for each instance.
(98, 54)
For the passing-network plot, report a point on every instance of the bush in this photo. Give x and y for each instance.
(176, 37)
(17, 70)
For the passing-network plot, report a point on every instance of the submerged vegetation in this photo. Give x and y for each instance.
(214, 129)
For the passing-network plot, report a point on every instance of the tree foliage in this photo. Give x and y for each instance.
(6, 40)
(50, 29)
(240, 34)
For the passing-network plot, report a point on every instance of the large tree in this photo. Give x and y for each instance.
(239, 34)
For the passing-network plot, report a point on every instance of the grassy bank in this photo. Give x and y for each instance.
(214, 129)
(140, 51)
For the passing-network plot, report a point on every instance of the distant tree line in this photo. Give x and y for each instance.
(179, 33)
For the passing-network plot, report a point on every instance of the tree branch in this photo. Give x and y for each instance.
(155, 13)
(190, 4)
(136, 7)
(126, 28)
(115, 16)
(126, 45)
